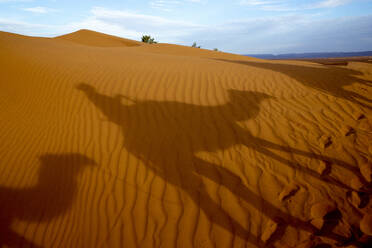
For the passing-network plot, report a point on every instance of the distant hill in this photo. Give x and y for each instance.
(310, 55)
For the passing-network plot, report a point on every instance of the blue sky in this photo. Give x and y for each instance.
(238, 26)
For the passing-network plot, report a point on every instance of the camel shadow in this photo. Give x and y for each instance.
(328, 79)
(50, 197)
(167, 135)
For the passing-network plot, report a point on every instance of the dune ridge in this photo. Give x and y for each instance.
(191, 148)
(96, 39)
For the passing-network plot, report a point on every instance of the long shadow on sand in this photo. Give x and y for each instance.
(167, 135)
(50, 197)
(328, 79)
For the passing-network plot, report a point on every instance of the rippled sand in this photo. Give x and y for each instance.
(109, 142)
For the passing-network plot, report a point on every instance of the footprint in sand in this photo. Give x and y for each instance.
(347, 131)
(361, 117)
(325, 141)
(324, 168)
(288, 191)
(319, 212)
(358, 199)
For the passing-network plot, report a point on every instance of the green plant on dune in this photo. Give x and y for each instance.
(148, 39)
(194, 45)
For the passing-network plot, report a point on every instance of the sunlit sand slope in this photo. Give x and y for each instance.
(106, 142)
(91, 38)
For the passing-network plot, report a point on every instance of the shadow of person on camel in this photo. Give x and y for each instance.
(167, 135)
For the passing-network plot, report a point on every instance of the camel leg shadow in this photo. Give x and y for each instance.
(234, 184)
(191, 183)
(13, 239)
(220, 217)
(263, 147)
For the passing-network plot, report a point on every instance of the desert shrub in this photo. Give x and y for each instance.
(194, 45)
(215, 49)
(148, 39)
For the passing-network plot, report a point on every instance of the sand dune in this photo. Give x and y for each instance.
(95, 39)
(108, 142)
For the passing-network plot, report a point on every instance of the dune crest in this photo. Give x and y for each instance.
(172, 146)
(96, 39)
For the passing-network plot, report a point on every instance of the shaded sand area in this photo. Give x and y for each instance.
(108, 142)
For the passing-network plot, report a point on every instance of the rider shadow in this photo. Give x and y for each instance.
(167, 135)
(51, 196)
(328, 79)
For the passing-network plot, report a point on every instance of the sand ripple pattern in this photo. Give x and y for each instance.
(111, 143)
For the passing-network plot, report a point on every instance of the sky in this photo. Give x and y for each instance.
(237, 26)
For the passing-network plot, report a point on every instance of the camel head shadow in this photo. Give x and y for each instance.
(330, 80)
(85, 88)
(51, 196)
(246, 104)
(74, 162)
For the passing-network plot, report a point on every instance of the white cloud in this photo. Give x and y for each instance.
(197, 1)
(260, 2)
(281, 34)
(266, 4)
(8, 1)
(169, 5)
(291, 5)
(26, 28)
(289, 33)
(329, 3)
(116, 22)
(132, 17)
(39, 10)
(292, 33)
(163, 4)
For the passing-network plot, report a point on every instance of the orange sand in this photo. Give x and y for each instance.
(108, 142)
